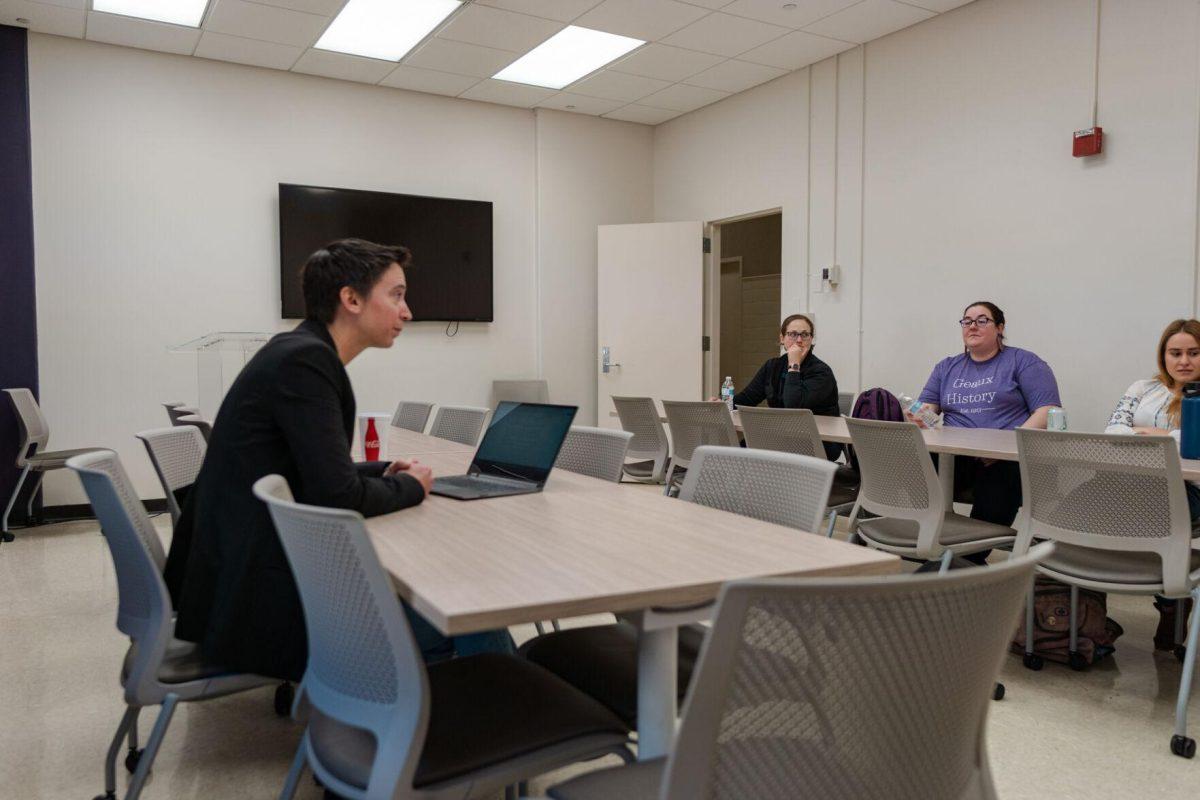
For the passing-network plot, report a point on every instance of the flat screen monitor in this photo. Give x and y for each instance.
(451, 243)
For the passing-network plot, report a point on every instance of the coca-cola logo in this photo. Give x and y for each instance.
(372, 444)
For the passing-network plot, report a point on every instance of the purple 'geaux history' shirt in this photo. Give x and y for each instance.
(1001, 392)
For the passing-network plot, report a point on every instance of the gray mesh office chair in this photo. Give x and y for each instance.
(846, 403)
(649, 447)
(840, 689)
(1117, 508)
(380, 724)
(461, 424)
(198, 422)
(411, 415)
(177, 410)
(32, 456)
(900, 485)
(782, 488)
(694, 424)
(158, 669)
(596, 452)
(794, 430)
(524, 391)
(177, 455)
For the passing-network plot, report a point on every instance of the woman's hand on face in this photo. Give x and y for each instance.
(796, 353)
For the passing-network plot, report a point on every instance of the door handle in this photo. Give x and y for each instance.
(606, 363)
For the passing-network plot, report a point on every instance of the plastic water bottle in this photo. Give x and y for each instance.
(1189, 436)
(727, 392)
(914, 407)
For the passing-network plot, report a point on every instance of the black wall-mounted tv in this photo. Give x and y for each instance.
(451, 243)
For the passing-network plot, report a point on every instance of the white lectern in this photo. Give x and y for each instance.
(220, 356)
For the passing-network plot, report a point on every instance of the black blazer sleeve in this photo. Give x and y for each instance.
(308, 409)
(755, 391)
(813, 388)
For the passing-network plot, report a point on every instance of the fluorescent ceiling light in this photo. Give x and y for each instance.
(567, 56)
(176, 12)
(384, 29)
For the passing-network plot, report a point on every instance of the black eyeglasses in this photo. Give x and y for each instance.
(793, 335)
(981, 322)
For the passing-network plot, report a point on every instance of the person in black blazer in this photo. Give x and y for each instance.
(290, 411)
(796, 379)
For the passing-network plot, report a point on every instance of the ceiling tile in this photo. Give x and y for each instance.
(578, 104)
(271, 24)
(327, 8)
(725, 35)
(869, 20)
(681, 97)
(665, 63)
(428, 80)
(801, 13)
(494, 27)
(796, 50)
(618, 86)
(561, 10)
(78, 5)
(712, 4)
(937, 5)
(54, 20)
(643, 114)
(131, 32)
(343, 66)
(735, 76)
(648, 20)
(224, 47)
(460, 58)
(509, 94)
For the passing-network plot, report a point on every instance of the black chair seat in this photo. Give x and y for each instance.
(640, 469)
(484, 709)
(57, 459)
(640, 781)
(181, 664)
(602, 661)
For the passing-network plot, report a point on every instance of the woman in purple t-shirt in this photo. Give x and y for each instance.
(990, 385)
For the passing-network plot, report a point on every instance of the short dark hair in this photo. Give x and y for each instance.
(347, 262)
(789, 320)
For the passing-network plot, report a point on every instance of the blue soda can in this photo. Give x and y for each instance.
(1056, 420)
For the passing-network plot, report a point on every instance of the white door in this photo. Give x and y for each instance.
(650, 311)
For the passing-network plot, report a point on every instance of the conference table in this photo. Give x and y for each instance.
(586, 546)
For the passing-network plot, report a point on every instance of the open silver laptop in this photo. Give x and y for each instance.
(516, 455)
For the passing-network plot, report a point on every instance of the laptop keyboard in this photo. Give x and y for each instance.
(475, 481)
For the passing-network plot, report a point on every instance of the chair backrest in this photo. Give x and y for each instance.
(597, 452)
(845, 403)
(198, 422)
(411, 415)
(35, 432)
(898, 478)
(639, 416)
(363, 665)
(851, 688)
(526, 391)
(783, 488)
(459, 423)
(177, 410)
(143, 605)
(177, 455)
(788, 430)
(699, 423)
(1109, 492)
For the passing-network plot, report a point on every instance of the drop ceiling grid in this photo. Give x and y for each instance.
(697, 51)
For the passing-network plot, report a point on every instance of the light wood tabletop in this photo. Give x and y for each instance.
(402, 443)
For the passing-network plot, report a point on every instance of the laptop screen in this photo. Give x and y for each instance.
(523, 440)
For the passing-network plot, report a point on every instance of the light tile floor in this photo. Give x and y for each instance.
(1099, 734)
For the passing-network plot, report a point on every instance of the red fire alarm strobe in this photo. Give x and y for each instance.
(1088, 142)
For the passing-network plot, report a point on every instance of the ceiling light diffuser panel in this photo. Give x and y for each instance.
(176, 12)
(567, 56)
(384, 29)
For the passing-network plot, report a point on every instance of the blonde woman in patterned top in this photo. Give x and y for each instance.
(1151, 407)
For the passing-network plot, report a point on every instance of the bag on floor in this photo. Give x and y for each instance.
(1097, 633)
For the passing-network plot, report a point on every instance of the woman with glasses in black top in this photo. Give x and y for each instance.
(796, 379)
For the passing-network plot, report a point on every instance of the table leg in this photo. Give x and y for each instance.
(946, 477)
(658, 652)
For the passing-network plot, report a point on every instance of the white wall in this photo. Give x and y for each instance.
(589, 172)
(155, 214)
(959, 185)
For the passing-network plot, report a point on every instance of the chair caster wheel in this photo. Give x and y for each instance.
(1033, 662)
(998, 691)
(8, 537)
(1180, 652)
(1077, 662)
(1183, 746)
(132, 758)
(105, 796)
(285, 695)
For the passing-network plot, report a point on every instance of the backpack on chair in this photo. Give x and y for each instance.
(878, 404)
